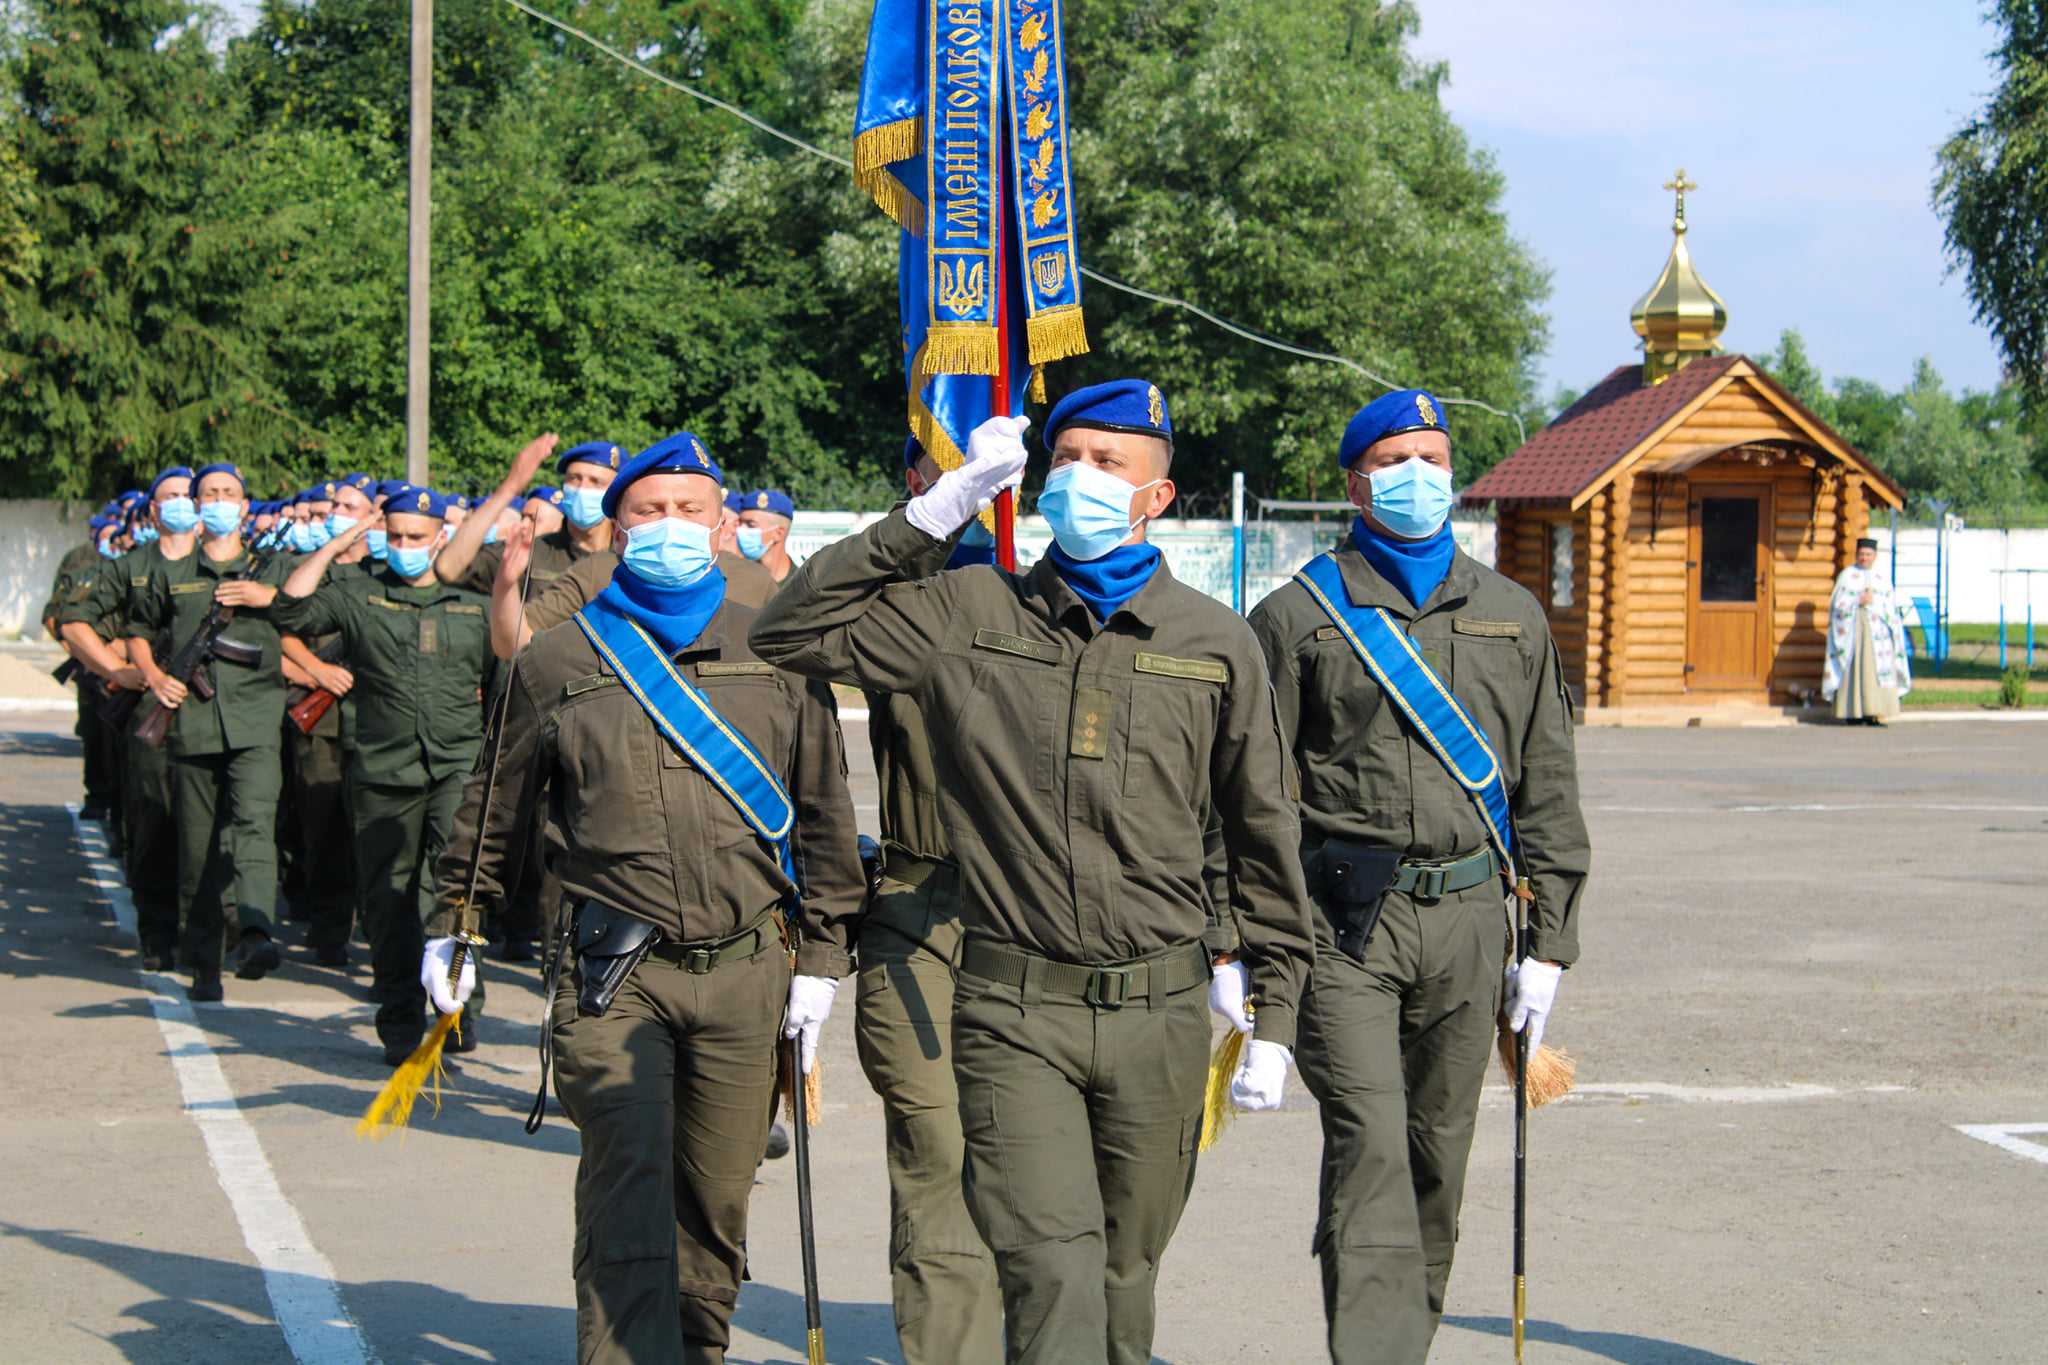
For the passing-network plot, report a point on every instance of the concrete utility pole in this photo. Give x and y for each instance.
(419, 219)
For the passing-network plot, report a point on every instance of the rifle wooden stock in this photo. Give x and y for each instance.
(155, 725)
(306, 705)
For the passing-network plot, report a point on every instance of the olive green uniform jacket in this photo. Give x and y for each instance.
(633, 824)
(81, 567)
(247, 708)
(1077, 763)
(1366, 777)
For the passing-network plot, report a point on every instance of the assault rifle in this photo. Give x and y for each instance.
(114, 704)
(306, 705)
(206, 645)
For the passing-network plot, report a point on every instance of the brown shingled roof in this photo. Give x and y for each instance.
(1569, 455)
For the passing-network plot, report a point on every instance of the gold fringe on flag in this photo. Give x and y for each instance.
(958, 348)
(1217, 1110)
(1056, 334)
(392, 1109)
(814, 1087)
(1551, 1072)
(873, 153)
(1034, 392)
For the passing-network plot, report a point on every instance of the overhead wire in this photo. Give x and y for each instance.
(1095, 275)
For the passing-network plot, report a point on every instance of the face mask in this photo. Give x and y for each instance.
(1411, 498)
(670, 553)
(144, 535)
(584, 507)
(1088, 509)
(409, 561)
(748, 541)
(177, 515)
(977, 537)
(375, 539)
(337, 523)
(221, 518)
(298, 538)
(491, 536)
(107, 550)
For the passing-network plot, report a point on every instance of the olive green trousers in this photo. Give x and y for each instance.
(400, 832)
(326, 852)
(149, 842)
(224, 806)
(949, 1309)
(1395, 1051)
(1081, 1125)
(670, 1089)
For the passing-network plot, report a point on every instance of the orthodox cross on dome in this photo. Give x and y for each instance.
(1679, 185)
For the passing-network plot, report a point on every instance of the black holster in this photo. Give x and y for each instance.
(1354, 880)
(608, 944)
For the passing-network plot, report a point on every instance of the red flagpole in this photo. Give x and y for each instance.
(999, 391)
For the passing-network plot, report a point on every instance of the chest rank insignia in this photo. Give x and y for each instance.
(1155, 406)
(1422, 406)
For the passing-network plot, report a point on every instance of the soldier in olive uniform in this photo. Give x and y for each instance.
(80, 568)
(514, 623)
(587, 471)
(765, 517)
(225, 772)
(1395, 1042)
(1094, 712)
(420, 657)
(670, 1085)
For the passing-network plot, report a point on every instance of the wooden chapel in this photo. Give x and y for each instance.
(1683, 522)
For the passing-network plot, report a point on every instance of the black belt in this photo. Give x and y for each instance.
(1431, 880)
(901, 865)
(1108, 986)
(703, 957)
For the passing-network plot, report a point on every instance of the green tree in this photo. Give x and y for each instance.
(1866, 415)
(20, 243)
(1792, 367)
(125, 351)
(1991, 185)
(1936, 451)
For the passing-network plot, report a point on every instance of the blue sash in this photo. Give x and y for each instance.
(680, 711)
(1459, 744)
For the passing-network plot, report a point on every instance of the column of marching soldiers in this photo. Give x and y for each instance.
(602, 712)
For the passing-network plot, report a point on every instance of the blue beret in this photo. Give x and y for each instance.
(681, 453)
(735, 502)
(550, 495)
(98, 524)
(1121, 405)
(459, 501)
(131, 497)
(390, 488)
(176, 471)
(361, 482)
(770, 500)
(321, 492)
(602, 453)
(423, 502)
(913, 451)
(1389, 415)
(220, 467)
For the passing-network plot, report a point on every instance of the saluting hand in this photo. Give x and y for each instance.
(995, 460)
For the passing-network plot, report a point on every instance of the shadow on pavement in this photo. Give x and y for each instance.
(1622, 1347)
(38, 744)
(856, 1333)
(213, 1310)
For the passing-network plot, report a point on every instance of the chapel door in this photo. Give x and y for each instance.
(1728, 588)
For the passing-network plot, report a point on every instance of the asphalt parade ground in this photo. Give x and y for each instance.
(1812, 1123)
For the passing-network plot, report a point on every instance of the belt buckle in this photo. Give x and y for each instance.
(1429, 882)
(1099, 994)
(700, 961)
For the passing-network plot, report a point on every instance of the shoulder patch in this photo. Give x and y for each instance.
(736, 669)
(1042, 650)
(1498, 630)
(1201, 670)
(590, 683)
(1329, 633)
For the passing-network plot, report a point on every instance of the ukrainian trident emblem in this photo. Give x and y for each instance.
(963, 285)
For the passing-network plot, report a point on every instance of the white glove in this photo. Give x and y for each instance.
(1229, 984)
(1532, 990)
(1260, 1077)
(810, 1000)
(434, 965)
(995, 461)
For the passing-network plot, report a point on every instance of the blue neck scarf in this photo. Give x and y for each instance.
(673, 616)
(1416, 567)
(1107, 583)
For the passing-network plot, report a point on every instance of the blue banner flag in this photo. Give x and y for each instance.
(960, 136)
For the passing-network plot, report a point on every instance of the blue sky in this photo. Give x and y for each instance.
(1809, 125)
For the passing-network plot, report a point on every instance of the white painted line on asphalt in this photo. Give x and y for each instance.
(1707, 1094)
(303, 1294)
(1813, 807)
(2005, 1135)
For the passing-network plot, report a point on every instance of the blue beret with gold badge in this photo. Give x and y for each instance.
(417, 502)
(1130, 405)
(603, 454)
(770, 500)
(1391, 414)
(681, 453)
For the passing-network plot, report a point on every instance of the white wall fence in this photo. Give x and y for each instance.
(34, 536)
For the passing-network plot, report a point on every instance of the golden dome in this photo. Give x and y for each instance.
(1679, 318)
